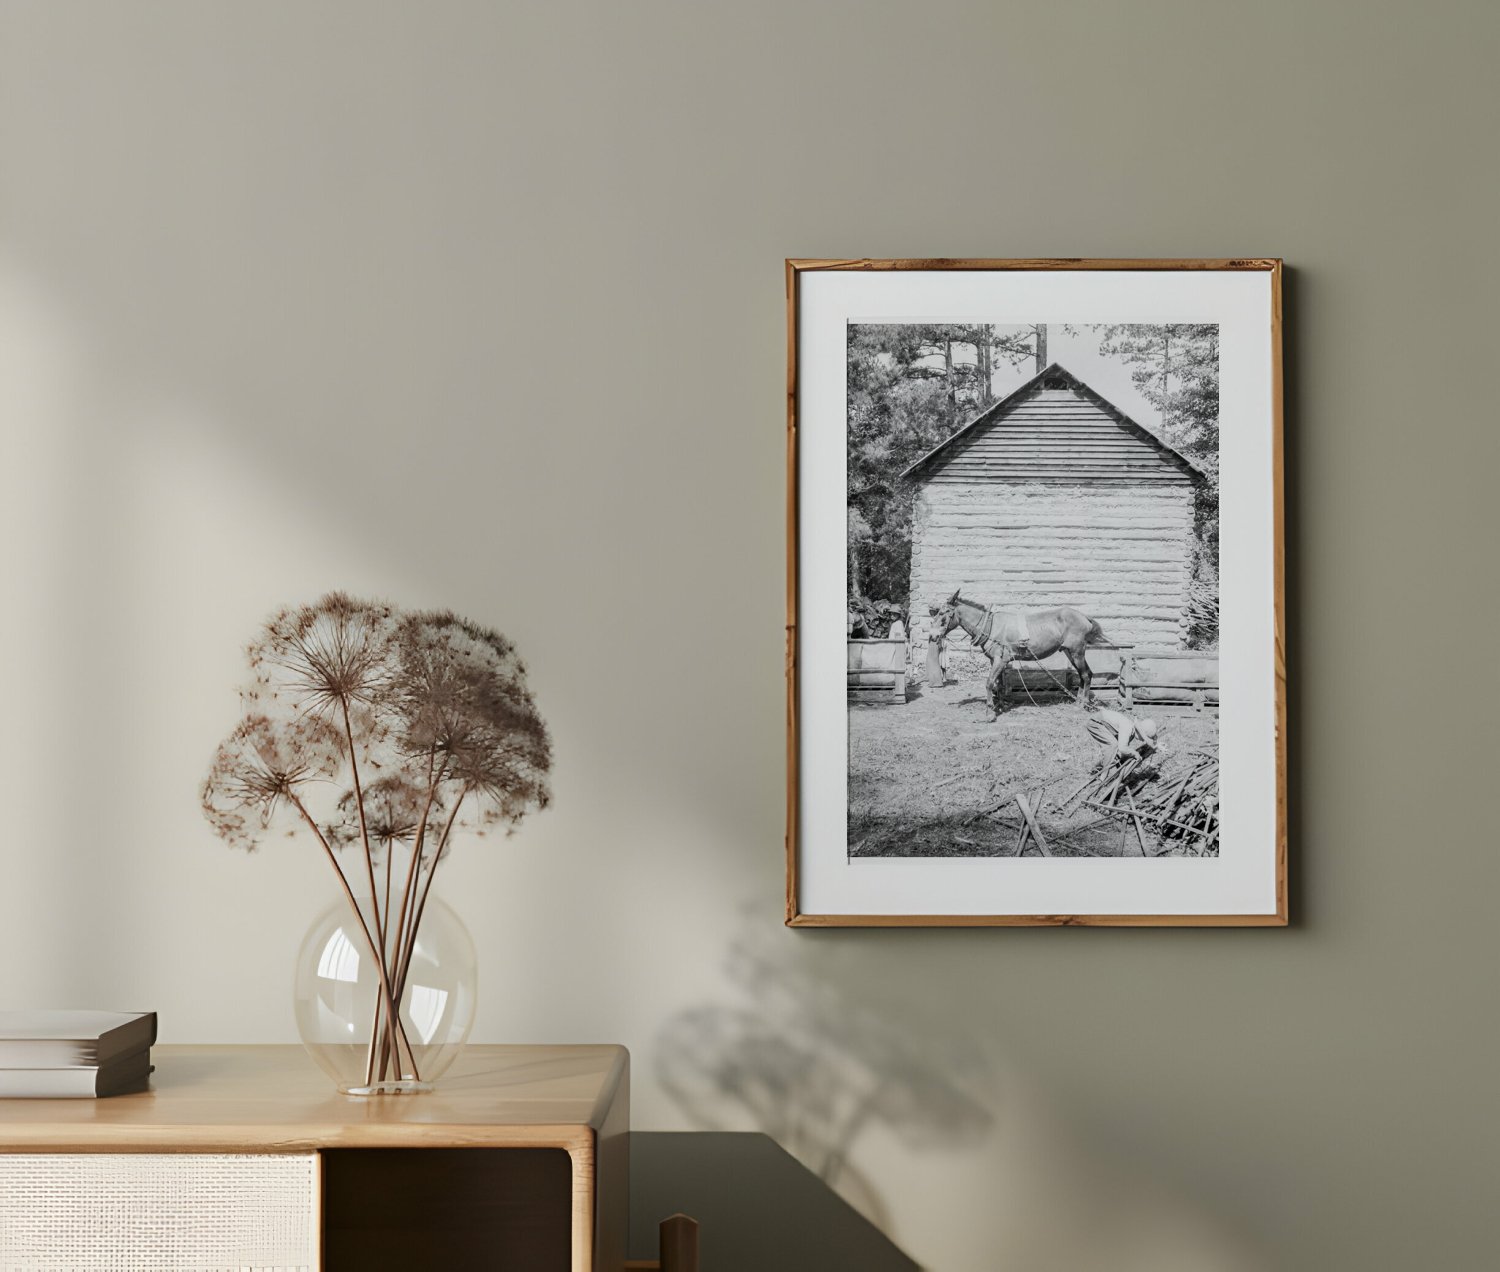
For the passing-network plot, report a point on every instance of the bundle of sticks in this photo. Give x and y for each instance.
(1184, 807)
(1181, 807)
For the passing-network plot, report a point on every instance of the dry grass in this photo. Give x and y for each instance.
(925, 776)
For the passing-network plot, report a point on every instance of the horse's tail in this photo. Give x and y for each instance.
(1096, 634)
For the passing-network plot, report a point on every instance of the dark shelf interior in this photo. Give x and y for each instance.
(472, 1208)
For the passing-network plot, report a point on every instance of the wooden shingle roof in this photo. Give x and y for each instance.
(1054, 428)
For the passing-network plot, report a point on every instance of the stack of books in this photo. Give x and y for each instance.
(49, 1055)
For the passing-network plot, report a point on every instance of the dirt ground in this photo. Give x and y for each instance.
(924, 775)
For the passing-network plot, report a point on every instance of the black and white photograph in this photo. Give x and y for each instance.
(1033, 589)
(1036, 519)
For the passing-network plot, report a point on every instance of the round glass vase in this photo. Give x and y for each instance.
(340, 1001)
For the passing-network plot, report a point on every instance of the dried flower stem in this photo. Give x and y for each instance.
(364, 838)
(385, 954)
(387, 901)
(364, 832)
(403, 965)
(434, 779)
(385, 984)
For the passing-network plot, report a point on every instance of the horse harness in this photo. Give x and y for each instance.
(1015, 632)
(1016, 635)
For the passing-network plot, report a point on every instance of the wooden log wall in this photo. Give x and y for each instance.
(1056, 498)
(1120, 552)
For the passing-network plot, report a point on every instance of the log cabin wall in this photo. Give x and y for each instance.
(1054, 497)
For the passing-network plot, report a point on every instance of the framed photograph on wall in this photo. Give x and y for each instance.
(1035, 620)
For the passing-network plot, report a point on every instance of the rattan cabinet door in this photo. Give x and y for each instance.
(158, 1212)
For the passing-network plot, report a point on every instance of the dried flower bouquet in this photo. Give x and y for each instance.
(381, 735)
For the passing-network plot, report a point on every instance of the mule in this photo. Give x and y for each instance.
(1005, 637)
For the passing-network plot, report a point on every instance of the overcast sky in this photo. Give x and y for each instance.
(1079, 353)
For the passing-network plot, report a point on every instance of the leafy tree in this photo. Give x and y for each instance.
(910, 387)
(1176, 369)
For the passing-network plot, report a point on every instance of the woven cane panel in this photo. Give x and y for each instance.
(150, 1212)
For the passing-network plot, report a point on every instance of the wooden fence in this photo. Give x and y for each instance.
(877, 670)
(1133, 676)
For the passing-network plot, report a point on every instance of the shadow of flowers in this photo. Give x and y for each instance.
(806, 1057)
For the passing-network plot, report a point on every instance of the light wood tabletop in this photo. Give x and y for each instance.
(275, 1099)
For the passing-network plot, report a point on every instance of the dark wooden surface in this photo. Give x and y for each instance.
(757, 1207)
(679, 1244)
(482, 1210)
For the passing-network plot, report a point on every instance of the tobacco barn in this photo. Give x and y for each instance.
(1054, 496)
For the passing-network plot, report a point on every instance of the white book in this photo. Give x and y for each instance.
(72, 1039)
(120, 1076)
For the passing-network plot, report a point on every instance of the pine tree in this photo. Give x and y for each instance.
(1176, 369)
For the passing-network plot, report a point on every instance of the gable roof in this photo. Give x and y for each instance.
(993, 414)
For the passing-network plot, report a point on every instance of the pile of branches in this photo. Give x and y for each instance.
(1203, 613)
(1185, 810)
(1181, 809)
(1030, 805)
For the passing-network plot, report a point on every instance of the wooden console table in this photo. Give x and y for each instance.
(519, 1160)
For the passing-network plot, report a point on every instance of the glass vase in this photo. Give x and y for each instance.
(341, 1000)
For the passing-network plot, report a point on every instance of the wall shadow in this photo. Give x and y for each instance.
(863, 1071)
(802, 1056)
(757, 1207)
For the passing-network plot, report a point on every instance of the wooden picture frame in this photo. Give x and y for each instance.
(978, 289)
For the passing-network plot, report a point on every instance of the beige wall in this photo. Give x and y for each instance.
(480, 304)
